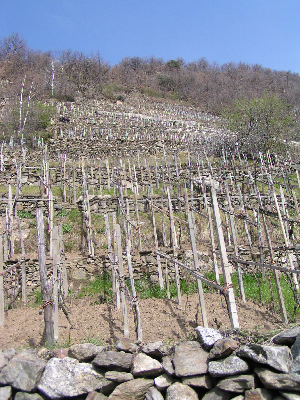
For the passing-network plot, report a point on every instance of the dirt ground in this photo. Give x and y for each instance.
(162, 319)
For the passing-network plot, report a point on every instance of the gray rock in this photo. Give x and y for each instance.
(96, 396)
(153, 394)
(208, 337)
(278, 357)
(118, 377)
(127, 345)
(67, 377)
(45, 354)
(132, 390)
(202, 381)
(85, 351)
(5, 393)
(237, 384)
(162, 382)
(273, 380)
(116, 360)
(287, 337)
(290, 396)
(156, 349)
(179, 391)
(231, 365)
(259, 394)
(223, 348)
(3, 360)
(167, 365)
(240, 397)
(190, 359)
(146, 366)
(9, 353)
(23, 372)
(217, 394)
(295, 350)
(27, 396)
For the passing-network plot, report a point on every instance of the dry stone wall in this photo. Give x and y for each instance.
(211, 367)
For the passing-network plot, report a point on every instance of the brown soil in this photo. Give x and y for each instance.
(161, 320)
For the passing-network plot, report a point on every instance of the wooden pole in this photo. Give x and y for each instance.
(286, 240)
(197, 268)
(160, 277)
(62, 262)
(22, 262)
(235, 244)
(275, 273)
(175, 247)
(51, 215)
(55, 246)
(121, 277)
(224, 262)
(131, 278)
(45, 287)
(117, 286)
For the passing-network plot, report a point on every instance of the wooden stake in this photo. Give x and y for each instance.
(197, 268)
(133, 291)
(235, 244)
(22, 262)
(160, 277)
(45, 287)
(224, 262)
(55, 246)
(121, 277)
(175, 247)
(275, 273)
(286, 240)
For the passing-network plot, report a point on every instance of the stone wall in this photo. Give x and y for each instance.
(211, 367)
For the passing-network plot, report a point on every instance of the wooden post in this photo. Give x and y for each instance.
(211, 233)
(121, 277)
(235, 244)
(10, 221)
(137, 220)
(45, 287)
(1, 284)
(197, 268)
(163, 221)
(22, 262)
(160, 277)
(175, 247)
(50, 217)
(108, 173)
(133, 291)
(55, 246)
(224, 262)
(275, 273)
(117, 286)
(109, 250)
(74, 183)
(245, 213)
(62, 263)
(286, 240)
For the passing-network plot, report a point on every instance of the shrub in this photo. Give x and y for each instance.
(260, 123)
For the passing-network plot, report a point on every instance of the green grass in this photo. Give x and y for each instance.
(25, 214)
(147, 290)
(258, 290)
(100, 287)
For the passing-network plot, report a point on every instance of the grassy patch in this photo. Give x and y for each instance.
(100, 287)
(25, 214)
(258, 289)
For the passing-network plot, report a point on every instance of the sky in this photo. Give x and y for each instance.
(264, 32)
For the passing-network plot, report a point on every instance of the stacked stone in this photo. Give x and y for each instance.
(210, 368)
